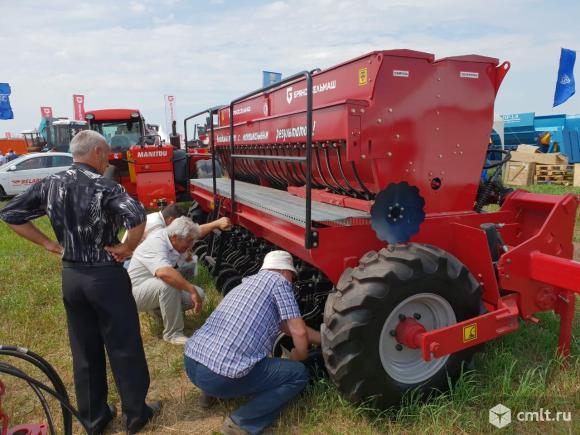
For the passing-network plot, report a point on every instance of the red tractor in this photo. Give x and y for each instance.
(369, 174)
(155, 172)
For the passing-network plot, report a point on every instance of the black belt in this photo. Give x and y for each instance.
(78, 264)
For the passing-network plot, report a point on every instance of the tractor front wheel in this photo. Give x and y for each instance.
(361, 335)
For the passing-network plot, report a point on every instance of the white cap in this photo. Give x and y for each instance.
(280, 260)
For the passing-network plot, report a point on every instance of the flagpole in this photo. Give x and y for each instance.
(165, 108)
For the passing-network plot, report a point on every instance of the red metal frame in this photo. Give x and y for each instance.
(400, 116)
(31, 428)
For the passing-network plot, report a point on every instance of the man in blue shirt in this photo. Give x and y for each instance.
(228, 356)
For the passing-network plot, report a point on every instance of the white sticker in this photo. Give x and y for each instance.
(468, 75)
(400, 73)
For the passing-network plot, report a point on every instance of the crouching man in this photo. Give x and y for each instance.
(158, 285)
(228, 356)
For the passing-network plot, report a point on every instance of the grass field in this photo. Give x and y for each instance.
(520, 370)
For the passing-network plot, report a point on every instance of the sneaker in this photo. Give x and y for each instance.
(177, 339)
(229, 427)
(154, 407)
(206, 401)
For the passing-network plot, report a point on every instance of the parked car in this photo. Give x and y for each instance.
(17, 175)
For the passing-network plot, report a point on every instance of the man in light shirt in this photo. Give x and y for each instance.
(187, 264)
(158, 284)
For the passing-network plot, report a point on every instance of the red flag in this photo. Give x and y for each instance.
(79, 106)
(46, 112)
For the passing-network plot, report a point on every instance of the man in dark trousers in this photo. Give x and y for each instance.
(86, 212)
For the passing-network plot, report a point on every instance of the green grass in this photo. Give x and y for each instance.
(520, 370)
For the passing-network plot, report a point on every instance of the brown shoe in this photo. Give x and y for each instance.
(231, 428)
(206, 401)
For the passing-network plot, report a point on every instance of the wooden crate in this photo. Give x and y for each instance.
(519, 173)
(554, 174)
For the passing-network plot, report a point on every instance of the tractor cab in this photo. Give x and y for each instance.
(122, 129)
(139, 159)
(59, 133)
(34, 140)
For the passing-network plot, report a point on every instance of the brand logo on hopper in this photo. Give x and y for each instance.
(161, 153)
(288, 133)
(242, 110)
(316, 89)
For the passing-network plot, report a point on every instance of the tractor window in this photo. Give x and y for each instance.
(121, 135)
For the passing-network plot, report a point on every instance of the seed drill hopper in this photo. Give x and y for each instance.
(369, 174)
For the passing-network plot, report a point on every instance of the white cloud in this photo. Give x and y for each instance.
(137, 7)
(207, 55)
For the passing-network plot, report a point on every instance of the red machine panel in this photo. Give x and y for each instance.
(151, 169)
(385, 117)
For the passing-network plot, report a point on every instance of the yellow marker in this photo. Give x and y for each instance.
(469, 332)
(363, 76)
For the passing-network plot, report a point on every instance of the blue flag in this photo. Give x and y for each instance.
(5, 109)
(565, 86)
(269, 78)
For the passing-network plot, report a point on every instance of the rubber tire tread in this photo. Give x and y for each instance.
(355, 314)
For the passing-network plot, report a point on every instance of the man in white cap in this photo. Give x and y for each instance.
(228, 356)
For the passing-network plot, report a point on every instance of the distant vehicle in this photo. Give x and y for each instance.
(18, 145)
(154, 172)
(16, 176)
(34, 140)
(59, 133)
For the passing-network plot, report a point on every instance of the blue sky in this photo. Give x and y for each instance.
(207, 52)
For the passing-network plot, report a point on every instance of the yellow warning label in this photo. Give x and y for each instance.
(469, 332)
(363, 76)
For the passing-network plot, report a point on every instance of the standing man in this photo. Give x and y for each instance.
(86, 212)
(2, 158)
(228, 356)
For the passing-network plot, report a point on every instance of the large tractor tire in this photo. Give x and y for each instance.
(360, 348)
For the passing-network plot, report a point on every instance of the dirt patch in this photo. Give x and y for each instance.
(577, 251)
